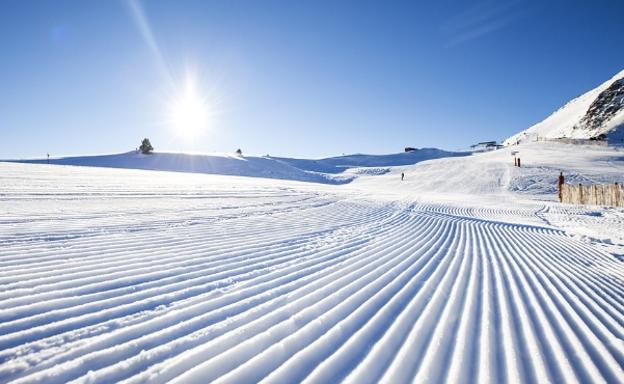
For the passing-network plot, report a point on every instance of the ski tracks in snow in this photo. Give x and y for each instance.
(283, 285)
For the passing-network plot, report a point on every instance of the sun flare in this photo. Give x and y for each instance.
(189, 113)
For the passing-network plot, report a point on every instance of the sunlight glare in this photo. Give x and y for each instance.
(189, 112)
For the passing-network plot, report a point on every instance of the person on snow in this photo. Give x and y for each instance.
(560, 186)
(402, 176)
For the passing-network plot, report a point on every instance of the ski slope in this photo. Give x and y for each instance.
(467, 271)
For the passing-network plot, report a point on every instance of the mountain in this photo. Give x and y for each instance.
(334, 170)
(589, 116)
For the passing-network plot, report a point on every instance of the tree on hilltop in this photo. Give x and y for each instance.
(146, 147)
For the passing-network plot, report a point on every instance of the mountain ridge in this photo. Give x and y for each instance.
(596, 114)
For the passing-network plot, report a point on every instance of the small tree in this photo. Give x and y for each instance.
(239, 152)
(146, 147)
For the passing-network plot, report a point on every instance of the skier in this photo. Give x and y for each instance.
(402, 176)
(560, 185)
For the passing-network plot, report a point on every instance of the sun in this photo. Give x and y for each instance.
(189, 113)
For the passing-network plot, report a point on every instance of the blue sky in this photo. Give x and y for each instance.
(294, 78)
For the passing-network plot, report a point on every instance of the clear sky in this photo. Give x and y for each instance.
(292, 78)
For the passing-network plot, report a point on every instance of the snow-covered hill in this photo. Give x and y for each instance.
(487, 173)
(327, 171)
(597, 112)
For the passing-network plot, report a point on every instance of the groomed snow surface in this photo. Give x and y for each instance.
(467, 271)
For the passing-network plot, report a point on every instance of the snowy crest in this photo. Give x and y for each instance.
(598, 113)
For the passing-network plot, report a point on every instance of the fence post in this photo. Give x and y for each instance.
(581, 194)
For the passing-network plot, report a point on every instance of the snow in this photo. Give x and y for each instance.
(616, 121)
(468, 270)
(563, 121)
(328, 171)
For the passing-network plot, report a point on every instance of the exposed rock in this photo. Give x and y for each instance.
(601, 110)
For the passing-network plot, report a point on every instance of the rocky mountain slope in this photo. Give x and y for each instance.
(598, 113)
